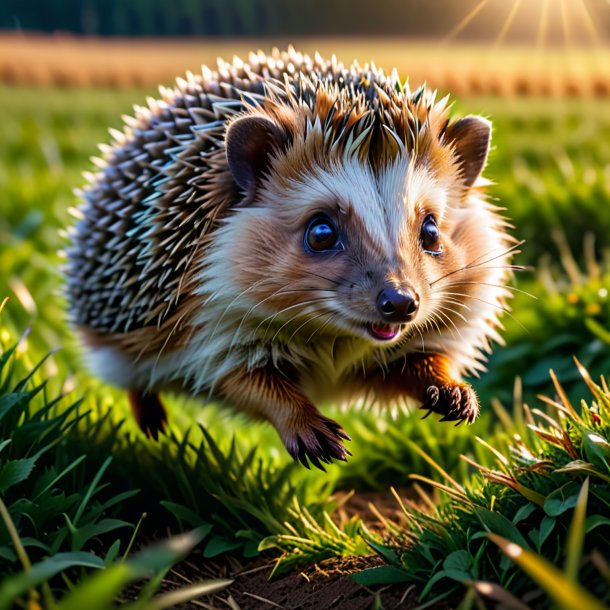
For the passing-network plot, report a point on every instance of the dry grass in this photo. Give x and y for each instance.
(69, 61)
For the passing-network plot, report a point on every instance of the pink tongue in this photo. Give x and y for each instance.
(383, 331)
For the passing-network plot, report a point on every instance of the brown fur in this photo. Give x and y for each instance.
(272, 395)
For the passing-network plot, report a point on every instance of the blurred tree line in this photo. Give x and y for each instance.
(218, 17)
(418, 18)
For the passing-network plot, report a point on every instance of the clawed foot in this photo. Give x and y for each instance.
(320, 441)
(149, 413)
(455, 402)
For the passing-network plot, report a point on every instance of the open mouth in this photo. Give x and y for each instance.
(383, 332)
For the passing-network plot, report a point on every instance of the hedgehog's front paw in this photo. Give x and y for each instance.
(320, 441)
(455, 402)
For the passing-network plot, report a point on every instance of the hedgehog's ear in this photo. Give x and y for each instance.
(249, 143)
(470, 137)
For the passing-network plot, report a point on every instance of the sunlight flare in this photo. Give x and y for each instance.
(507, 24)
(589, 23)
(543, 25)
(565, 25)
(465, 21)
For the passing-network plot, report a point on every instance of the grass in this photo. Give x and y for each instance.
(59, 509)
(543, 503)
(536, 495)
(229, 480)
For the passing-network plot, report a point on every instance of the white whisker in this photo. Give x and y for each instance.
(470, 296)
(505, 310)
(434, 321)
(441, 312)
(474, 264)
(289, 320)
(423, 345)
(457, 313)
(332, 315)
(445, 296)
(491, 285)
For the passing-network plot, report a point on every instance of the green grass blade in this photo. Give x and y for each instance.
(566, 594)
(14, 535)
(184, 595)
(62, 474)
(576, 534)
(499, 594)
(381, 575)
(17, 584)
(91, 491)
(99, 591)
(15, 471)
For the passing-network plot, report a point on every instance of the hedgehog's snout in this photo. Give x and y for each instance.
(397, 305)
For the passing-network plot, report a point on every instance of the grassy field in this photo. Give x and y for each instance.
(77, 484)
(464, 69)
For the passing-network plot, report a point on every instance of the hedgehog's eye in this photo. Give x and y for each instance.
(430, 236)
(322, 235)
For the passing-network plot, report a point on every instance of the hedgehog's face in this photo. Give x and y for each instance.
(347, 248)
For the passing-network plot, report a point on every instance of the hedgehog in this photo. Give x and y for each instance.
(286, 232)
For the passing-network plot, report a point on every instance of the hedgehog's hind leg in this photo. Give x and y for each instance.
(149, 412)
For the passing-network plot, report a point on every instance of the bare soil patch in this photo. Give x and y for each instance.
(326, 586)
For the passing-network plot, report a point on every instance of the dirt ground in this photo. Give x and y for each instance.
(326, 586)
(323, 587)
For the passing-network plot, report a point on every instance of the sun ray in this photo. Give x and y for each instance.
(507, 24)
(589, 23)
(543, 25)
(565, 24)
(465, 21)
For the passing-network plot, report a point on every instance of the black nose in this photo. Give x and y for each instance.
(396, 305)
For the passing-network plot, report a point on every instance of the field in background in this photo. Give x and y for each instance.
(462, 69)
